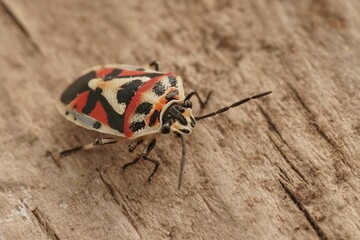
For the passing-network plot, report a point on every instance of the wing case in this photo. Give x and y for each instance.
(121, 100)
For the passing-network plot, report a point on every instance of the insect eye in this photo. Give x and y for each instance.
(188, 104)
(165, 129)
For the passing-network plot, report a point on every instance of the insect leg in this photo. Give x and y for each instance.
(144, 155)
(156, 163)
(155, 64)
(134, 144)
(97, 142)
(193, 92)
(149, 147)
(131, 163)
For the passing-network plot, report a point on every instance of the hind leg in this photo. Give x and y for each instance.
(97, 142)
(156, 65)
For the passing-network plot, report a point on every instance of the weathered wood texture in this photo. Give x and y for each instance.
(283, 167)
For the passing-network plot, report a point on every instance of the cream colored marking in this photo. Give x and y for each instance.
(110, 89)
(138, 118)
(121, 108)
(93, 83)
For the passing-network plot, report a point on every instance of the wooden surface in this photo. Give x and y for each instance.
(283, 167)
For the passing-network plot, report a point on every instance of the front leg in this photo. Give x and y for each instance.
(202, 102)
(144, 155)
(132, 146)
(156, 163)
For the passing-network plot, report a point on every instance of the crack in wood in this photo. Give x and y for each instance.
(211, 209)
(113, 192)
(283, 174)
(51, 156)
(218, 207)
(287, 159)
(340, 154)
(312, 117)
(317, 127)
(322, 133)
(20, 25)
(282, 153)
(43, 222)
(111, 189)
(319, 232)
(271, 124)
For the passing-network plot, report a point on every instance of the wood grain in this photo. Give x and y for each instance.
(282, 167)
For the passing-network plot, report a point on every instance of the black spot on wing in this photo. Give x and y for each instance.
(144, 108)
(159, 89)
(93, 97)
(128, 90)
(78, 86)
(154, 117)
(136, 126)
(172, 81)
(97, 125)
(113, 74)
(115, 120)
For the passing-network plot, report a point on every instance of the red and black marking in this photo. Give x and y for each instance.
(159, 89)
(136, 126)
(172, 81)
(80, 85)
(131, 74)
(131, 127)
(95, 105)
(84, 100)
(144, 108)
(110, 73)
(113, 74)
(97, 125)
(154, 118)
(128, 90)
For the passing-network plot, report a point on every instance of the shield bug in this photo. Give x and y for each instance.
(136, 103)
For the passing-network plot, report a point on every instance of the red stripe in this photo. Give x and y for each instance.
(136, 100)
(101, 73)
(99, 114)
(131, 73)
(80, 101)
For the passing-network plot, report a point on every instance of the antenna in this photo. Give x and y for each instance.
(183, 159)
(236, 104)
